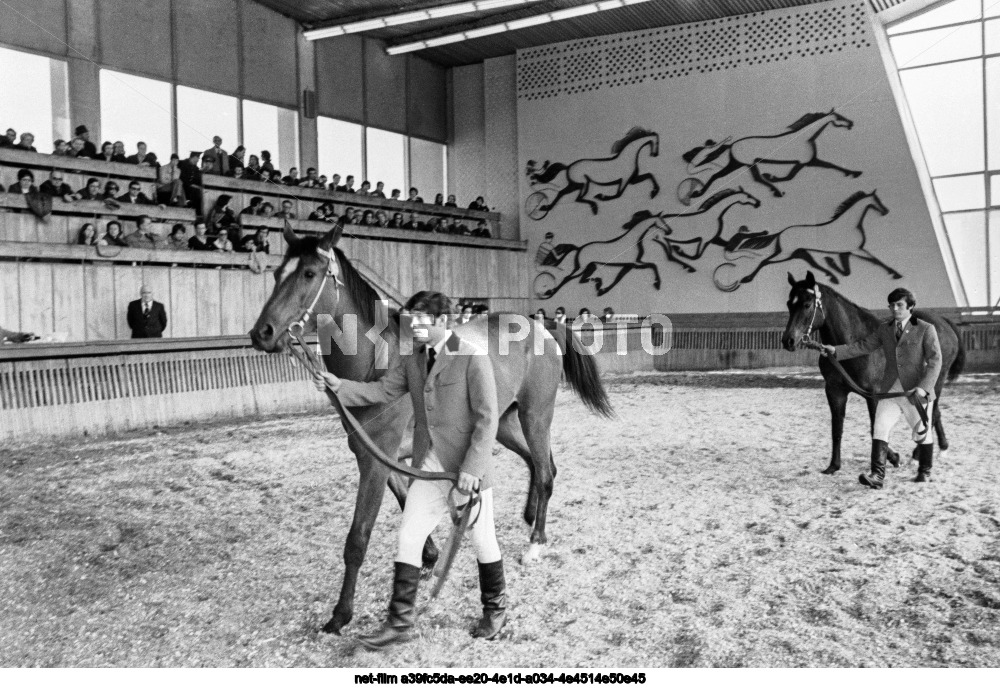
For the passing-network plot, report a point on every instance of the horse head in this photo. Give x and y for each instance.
(307, 282)
(805, 311)
(878, 204)
(838, 120)
(655, 138)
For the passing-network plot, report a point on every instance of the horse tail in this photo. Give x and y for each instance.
(959, 363)
(549, 173)
(581, 373)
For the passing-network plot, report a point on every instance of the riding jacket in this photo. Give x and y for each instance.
(915, 360)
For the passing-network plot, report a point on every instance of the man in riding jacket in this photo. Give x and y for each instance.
(912, 364)
(455, 402)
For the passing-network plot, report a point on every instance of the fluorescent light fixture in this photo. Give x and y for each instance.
(412, 17)
(533, 20)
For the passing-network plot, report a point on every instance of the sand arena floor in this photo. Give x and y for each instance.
(694, 530)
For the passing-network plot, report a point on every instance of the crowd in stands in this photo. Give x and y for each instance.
(559, 317)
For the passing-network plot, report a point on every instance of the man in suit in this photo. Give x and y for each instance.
(142, 157)
(146, 317)
(912, 365)
(57, 187)
(89, 150)
(134, 195)
(192, 181)
(218, 156)
(455, 404)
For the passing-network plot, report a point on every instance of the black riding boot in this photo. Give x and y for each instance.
(402, 609)
(876, 478)
(493, 592)
(925, 458)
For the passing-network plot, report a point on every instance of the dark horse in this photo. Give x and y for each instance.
(839, 321)
(528, 374)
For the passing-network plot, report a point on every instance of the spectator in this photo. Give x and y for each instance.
(286, 210)
(366, 188)
(413, 223)
(27, 142)
(222, 243)
(356, 216)
(560, 315)
(381, 219)
(218, 157)
(253, 171)
(221, 218)
(335, 184)
(348, 184)
(478, 204)
(451, 203)
(145, 235)
(256, 242)
(191, 180)
(91, 192)
(146, 318)
(322, 182)
(266, 166)
(276, 177)
(395, 195)
(253, 208)
(379, 191)
(466, 314)
(199, 241)
(25, 183)
(237, 159)
(110, 191)
(112, 235)
(134, 195)
(107, 153)
(177, 241)
(540, 315)
(118, 152)
(482, 230)
(609, 315)
(8, 139)
(348, 217)
(438, 226)
(61, 149)
(324, 213)
(585, 316)
(266, 209)
(237, 172)
(414, 197)
(56, 187)
(368, 219)
(87, 235)
(481, 309)
(142, 157)
(292, 178)
(459, 228)
(310, 181)
(397, 221)
(169, 187)
(89, 150)
(439, 199)
(77, 148)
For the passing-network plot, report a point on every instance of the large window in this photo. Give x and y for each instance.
(340, 146)
(274, 129)
(201, 115)
(428, 168)
(949, 65)
(386, 158)
(136, 109)
(34, 97)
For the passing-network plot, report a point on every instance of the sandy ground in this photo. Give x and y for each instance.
(695, 530)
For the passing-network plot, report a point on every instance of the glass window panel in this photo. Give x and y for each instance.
(993, 35)
(967, 234)
(386, 158)
(270, 128)
(41, 101)
(961, 193)
(994, 257)
(288, 139)
(952, 13)
(946, 102)
(940, 45)
(427, 168)
(993, 111)
(136, 109)
(339, 149)
(202, 115)
(995, 190)
(992, 8)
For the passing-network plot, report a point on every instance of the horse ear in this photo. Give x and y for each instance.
(331, 238)
(289, 234)
(810, 279)
(791, 280)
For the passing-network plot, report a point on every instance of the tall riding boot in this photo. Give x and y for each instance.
(402, 609)
(493, 591)
(925, 458)
(876, 478)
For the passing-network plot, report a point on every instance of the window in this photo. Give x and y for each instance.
(202, 115)
(136, 109)
(386, 158)
(428, 168)
(274, 129)
(35, 97)
(339, 149)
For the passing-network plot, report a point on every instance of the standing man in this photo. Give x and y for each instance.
(89, 150)
(912, 364)
(219, 157)
(455, 404)
(192, 181)
(146, 317)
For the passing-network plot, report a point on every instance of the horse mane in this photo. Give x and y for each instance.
(362, 293)
(870, 319)
(805, 119)
(716, 197)
(634, 134)
(851, 200)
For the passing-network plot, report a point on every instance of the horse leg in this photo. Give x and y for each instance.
(536, 424)
(837, 399)
(803, 254)
(601, 291)
(841, 263)
(755, 173)
(938, 425)
(569, 188)
(816, 162)
(892, 455)
(670, 256)
(865, 255)
(619, 190)
(509, 434)
(399, 487)
(637, 178)
(582, 197)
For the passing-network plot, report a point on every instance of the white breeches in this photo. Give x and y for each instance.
(888, 411)
(427, 504)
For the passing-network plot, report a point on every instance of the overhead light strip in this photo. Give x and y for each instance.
(412, 17)
(513, 25)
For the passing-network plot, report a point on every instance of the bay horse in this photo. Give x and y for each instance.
(814, 307)
(528, 374)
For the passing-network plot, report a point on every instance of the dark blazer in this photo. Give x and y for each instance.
(141, 199)
(455, 406)
(221, 164)
(16, 188)
(50, 189)
(915, 360)
(145, 327)
(150, 159)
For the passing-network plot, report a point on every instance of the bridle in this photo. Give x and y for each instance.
(331, 272)
(817, 307)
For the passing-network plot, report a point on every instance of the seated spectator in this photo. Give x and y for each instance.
(609, 315)
(134, 195)
(9, 139)
(348, 217)
(142, 157)
(381, 219)
(25, 183)
(348, 185)
(253, 208)
(169, 187)
(379, 191)
(356, 216)
(459, 228)
(266, 166)
(395, 195)
(252, 170)
(413, 223)
(466, 314)
(481, 309)
(396, 222)
(438, 226)
(145, 235)
(286, 210)
(200, 241)
(91, 192)
(266, 209)
(310, 181)
(540, 315)
(112, 235)
(87, 235)
(482, 230)
(439, 199)
(324, 213)
(89, 150)
(560, 318)
(368, 219)
(61, 148)
(478, 204)
(585, 316)
(414, 197)
(451, 202)
(118, 152)
(222, 243)
(177, 241)
(256, 242)
(292, 178)
(366, 188)
(57, 187)
(276, 177)
(236, 159)
(335, 184)
(236, 172)
(110, 191)
(322, 182)
(77, 148)
(107, 153)
(220, 218)
(27, 143)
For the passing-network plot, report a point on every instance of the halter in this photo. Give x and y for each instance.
(817, 306)
(331, 261)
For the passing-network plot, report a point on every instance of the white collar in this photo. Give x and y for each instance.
(902, 326)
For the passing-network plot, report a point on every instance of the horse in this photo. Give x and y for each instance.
(840, 238)
(620, 170)
(792, 150)
(626, 252)
(814, 307)
(528, 373)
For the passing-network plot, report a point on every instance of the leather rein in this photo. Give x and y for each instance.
(809, 342)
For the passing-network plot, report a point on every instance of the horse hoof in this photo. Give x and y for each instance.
(829, 470)
(333, 626)
(533, 555)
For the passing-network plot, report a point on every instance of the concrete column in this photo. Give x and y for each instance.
(84, 56)
(308, 136)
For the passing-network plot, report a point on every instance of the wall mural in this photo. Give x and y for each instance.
(654, 237)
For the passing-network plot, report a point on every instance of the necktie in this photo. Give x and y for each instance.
(899, 331)
(431, 355)
(145, 310)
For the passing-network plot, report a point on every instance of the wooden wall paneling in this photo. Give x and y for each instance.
(69, 301)
(127, 281)
(407, 255)
(251, 290)
(157, 278)
(392, 259)
(21, 227)
(10, 295)
(497, 268)
(208, 297)
(36, 298)
(232, 308)
(99, 302)
(183, 313)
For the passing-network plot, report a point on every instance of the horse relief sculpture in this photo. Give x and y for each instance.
(769, 159)
(551, 181)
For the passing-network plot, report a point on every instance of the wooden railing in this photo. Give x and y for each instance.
(76, 171)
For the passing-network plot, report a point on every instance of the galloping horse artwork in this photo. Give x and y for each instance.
(834, 242)
(783, 154)
(619, 171)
